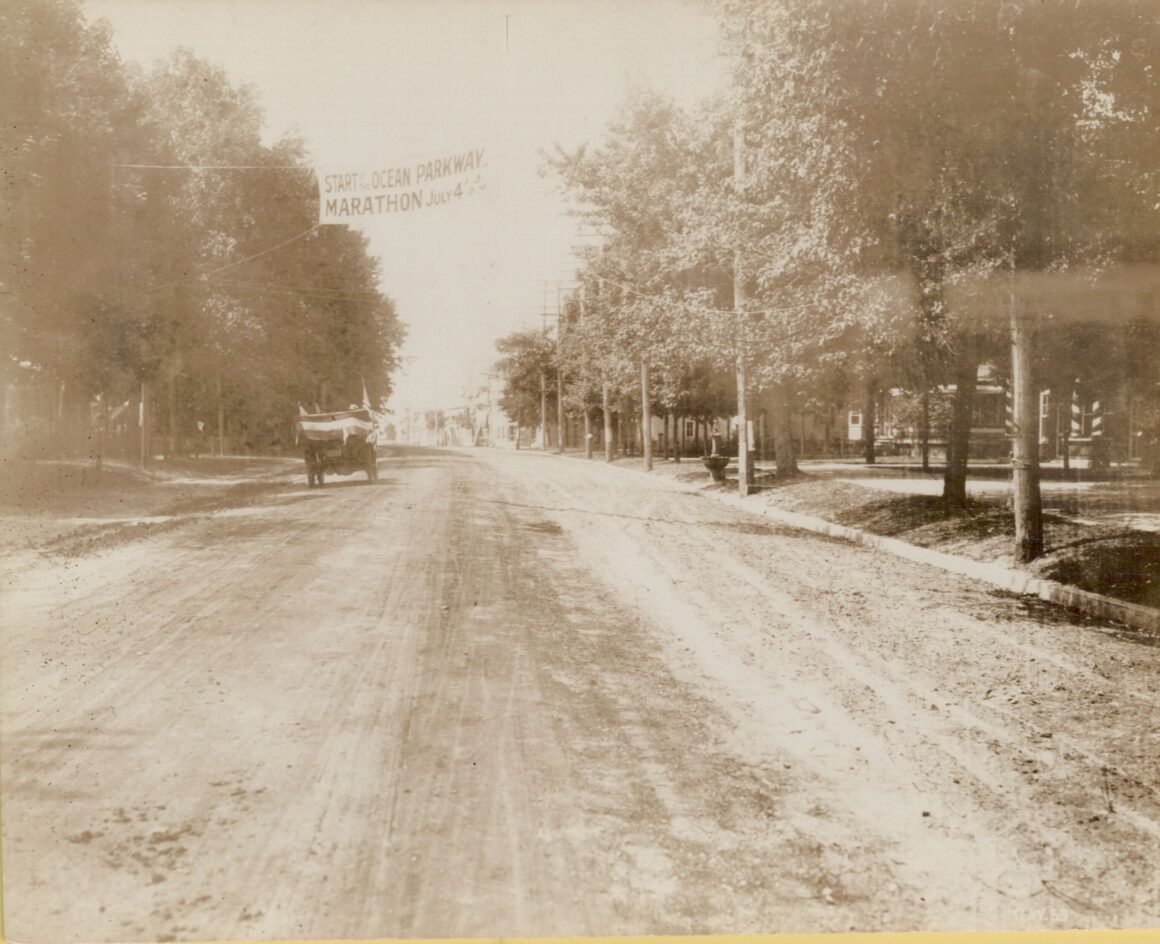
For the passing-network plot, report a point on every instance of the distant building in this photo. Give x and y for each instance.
(897, 429)
(1077, 423)
(490, 425)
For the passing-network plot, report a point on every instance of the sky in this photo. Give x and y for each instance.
(375, 84)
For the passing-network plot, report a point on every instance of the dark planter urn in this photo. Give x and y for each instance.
(716, 466)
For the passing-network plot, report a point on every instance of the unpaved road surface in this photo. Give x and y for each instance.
(508, 694)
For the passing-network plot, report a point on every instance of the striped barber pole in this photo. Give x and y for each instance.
(1094, 416)
(1009, 414)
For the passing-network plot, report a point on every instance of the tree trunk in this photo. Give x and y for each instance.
(171, 409)
(221, 419)
(679, 433)
(587, 434)
(58, 412)
(869, 419)
(622, 425)
(1027, 501)
(785, 461)
(143, 418)
(609, 453)
(924, 430)
(103, 431)
(560, 446)
(621, 447)
(959, 434)
(743, 482)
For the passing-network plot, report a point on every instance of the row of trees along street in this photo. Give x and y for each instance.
(888, 195)
(157, 258)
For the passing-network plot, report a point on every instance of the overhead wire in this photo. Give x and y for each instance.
(257, 255)
(215, 167)
(231, 265)
(314, 289)
(367, 295)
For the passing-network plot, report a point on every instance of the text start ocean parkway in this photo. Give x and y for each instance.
(355, 194)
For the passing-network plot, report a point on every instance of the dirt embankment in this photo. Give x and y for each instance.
(1103, 557)
(71, 507)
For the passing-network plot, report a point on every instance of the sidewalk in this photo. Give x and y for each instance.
(1102, 568)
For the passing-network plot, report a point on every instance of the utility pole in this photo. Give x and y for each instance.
(587, 424)
(645, 415)
(543, 376)
(1025, 452)
(559, 376)
(739, 307)
(543, 412)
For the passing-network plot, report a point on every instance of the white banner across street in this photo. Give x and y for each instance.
(349, 195)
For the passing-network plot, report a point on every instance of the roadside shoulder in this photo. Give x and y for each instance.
(1011, 579)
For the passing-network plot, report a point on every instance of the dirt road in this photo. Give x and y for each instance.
(507, 694)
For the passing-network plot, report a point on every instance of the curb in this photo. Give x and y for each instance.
(1005, 578)
(1137, 616)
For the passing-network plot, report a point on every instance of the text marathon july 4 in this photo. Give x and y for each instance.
(350, 195)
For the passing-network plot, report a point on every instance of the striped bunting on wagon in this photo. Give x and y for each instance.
(328, 427)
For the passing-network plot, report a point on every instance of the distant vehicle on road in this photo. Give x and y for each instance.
(338, 443)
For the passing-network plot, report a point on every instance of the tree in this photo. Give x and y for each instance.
(528, 370)
(68, 110)
(650, 316)
(970, 142)
(152, 239)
